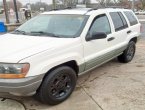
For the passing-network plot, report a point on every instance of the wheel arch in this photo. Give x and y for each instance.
(73, 64)
(134, 39)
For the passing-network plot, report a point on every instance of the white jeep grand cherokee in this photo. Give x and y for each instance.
(44, 56)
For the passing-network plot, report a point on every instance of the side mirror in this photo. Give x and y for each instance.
(96, 35)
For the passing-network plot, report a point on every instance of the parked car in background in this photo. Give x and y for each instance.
(45, 55)
(141, 12)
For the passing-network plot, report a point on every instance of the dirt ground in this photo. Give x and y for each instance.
(113, 86)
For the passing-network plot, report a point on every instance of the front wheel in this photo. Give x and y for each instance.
(128, 54)
(57, 86)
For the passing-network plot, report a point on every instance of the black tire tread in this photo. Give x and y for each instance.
(123, 57)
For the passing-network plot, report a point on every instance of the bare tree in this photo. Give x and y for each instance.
(6, 11)
(142, 3)
(11, 5)
(103, 2)
(36, 6)
(68, 3)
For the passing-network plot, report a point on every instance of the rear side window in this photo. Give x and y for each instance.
(131, 18)
(118, 21)
(123, 20)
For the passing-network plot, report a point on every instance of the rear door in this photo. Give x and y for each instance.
(120, 32)
(134, 25)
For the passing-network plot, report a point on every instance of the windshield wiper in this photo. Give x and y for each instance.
(19, 31)
(45, 33)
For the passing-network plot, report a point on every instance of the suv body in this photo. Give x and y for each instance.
(104, 35)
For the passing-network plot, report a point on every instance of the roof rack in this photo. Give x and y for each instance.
(91, 10)
(99, 7)
(61, 8)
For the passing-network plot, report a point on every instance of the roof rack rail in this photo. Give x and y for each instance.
(99, 7)
(96, 8)
(91, 10)
(61, 8)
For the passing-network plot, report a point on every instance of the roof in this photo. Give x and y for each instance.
(82, 11)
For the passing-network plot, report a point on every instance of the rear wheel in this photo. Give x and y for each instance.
(57, 86)
(128, 54)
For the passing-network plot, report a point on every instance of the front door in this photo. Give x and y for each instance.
(96, 51)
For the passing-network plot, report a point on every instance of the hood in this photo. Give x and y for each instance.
(13, 47)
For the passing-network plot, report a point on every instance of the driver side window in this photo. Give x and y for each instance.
(100, 24)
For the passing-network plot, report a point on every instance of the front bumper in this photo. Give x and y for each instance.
(21, 87)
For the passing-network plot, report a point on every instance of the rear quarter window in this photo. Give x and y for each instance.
(132, 19)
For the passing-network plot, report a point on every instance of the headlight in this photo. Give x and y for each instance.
(13, 70)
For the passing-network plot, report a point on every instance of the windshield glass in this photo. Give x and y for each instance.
(54, 25)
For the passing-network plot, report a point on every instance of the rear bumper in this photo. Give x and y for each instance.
(21, 87)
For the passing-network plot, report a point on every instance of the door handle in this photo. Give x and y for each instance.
(128, 32)
(110, 39)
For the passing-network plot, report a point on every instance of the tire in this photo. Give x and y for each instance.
(57, 86)
(128, 54)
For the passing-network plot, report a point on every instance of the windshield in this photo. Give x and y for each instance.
(54, 25)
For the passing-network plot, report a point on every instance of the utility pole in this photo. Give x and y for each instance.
(133, 3)
(16, 11)
(6, 11)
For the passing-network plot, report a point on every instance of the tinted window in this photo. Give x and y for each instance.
(101, 24)
(131, 18)
(117, 21)
(123, 20)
